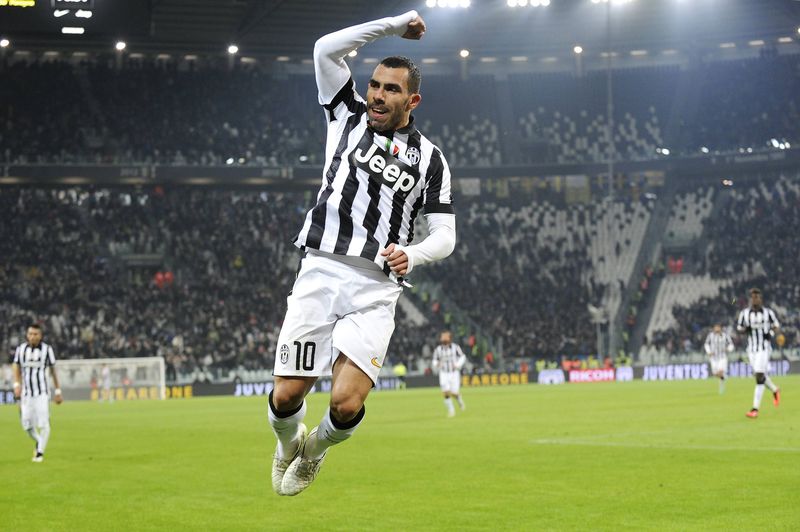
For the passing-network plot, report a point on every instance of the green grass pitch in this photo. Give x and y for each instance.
(639, 455)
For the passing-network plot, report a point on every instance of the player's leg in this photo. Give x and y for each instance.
(27, 418)
(776, 392)
(360, 339)
(759, 363)
(444, 385)
(758, 394)
(776, 395)
(455, 386)
(42, 424)
(287, 409)
(719, 371)
(303, 354)
(349, 390)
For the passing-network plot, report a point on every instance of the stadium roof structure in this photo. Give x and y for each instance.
(289, 27)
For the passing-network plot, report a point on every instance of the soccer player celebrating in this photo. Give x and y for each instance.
(718, 345)
(379, 172)
(31, 360)
(448, 359)
(760, 325)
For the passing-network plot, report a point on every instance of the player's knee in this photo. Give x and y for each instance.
(286, 398)
(344, 409)
(761, 378)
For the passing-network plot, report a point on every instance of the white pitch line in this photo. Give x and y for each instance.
(663, 446)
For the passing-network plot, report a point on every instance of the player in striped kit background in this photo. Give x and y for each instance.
(760, 325)
(31, 360)
(448, 359)
(718, 344)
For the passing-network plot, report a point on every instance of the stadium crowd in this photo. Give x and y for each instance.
(199, 277)
(155, 112)
(196, 276)
(753, 241)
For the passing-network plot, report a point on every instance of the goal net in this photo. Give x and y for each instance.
(112, 378)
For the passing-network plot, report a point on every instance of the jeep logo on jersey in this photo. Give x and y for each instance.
(387, 169)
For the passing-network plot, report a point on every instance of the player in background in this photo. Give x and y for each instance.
(31, 360)
(448, 359)
(105, 378)
(380, 172)
(718, 344)
(760, 325)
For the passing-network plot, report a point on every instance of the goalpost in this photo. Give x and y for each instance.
(140, 378)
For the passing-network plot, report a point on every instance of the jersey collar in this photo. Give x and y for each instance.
(405, 130)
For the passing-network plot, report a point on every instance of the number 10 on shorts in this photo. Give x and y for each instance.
(307, 350)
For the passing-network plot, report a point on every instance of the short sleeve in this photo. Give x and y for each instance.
(344, 102)
(438, 192)
(773, 319)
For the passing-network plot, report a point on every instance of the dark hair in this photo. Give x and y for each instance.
(754, 291)
(414, 75)
(35, 326)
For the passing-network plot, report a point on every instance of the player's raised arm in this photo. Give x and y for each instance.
(330, 68)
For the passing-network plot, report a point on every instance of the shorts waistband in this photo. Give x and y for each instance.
(364, 266)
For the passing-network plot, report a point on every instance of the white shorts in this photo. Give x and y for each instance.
(35, 411)
(336, 308)
(759, 361)
(450, 381)
(719, 365)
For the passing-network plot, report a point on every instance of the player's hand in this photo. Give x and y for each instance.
(416, 29)
(58, 399)
(396, 259)
(17, 392)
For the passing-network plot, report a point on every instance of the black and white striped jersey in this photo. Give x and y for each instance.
(448, 358)
(33, 362)
(758, 324)
(718, 345)
(374, 183)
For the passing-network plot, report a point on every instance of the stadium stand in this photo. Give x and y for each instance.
(688, 214)
(156, 112)
(561, 259)
(752, 242)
